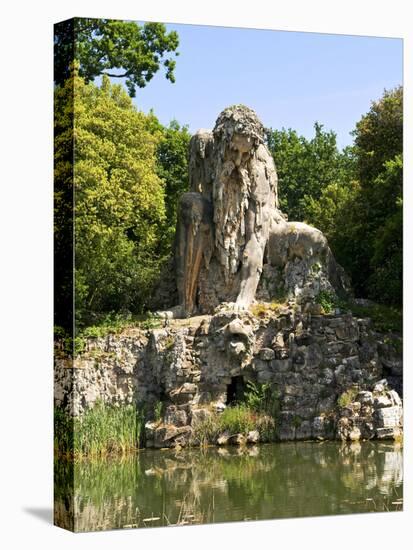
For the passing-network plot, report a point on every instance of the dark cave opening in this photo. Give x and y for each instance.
(236, 390)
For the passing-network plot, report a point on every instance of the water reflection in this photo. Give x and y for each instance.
(157, 488)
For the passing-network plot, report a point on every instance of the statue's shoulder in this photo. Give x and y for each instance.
(201, 140)
(263, 154)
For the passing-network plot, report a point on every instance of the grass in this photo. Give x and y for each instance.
(169, 342)
(347, 397)
(102, 431)
(112, 323)
(158, 411)
(257, 411)
(206, 433)
(261, 309)
(236, 419)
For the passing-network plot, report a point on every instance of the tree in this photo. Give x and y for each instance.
(379, 135)
(386, 279)
(119, 209)
(172, 167)
(306, 167)
(363, 215)
(119, 49)
(379, 166)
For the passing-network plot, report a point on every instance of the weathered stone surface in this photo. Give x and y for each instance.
(223, 439)
(322, 428)
(231, 217)
(106, 372)
(304, 430)
(327, 404)
(354, 434)
(234, 246)
(382, 401)
(169, 436)
(376, 414)
(388, 417)
(365, 398)
(175, 416)
(388, 433)
(253, 436)
(237, 439)
(199, 416)
(394, 398)
(191, 369)
(266, 354)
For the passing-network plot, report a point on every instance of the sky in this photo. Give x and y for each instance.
(291, 79)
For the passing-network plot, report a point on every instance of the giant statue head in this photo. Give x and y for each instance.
(237, 133)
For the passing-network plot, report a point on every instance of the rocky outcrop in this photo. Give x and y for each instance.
(108, 370)
(326, 371)
(377, 413)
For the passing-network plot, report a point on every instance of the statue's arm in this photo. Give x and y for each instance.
(252, 261)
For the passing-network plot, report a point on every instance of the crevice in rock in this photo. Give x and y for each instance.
(236, 390)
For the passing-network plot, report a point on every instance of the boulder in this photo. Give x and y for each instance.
(365, 398)
(382, 401)
(175, 416)
(266, 354)
(223, 439)
(354, 434)
(253, 436)
(237, 439)
(169, 436)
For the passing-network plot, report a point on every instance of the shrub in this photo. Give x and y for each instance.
(384, 318)
(262, 398)
(347, 397)
(327, 301)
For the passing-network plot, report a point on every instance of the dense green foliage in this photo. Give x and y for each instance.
(239, 418)
(172, 168)
(306, 167)
(385, 318)
(129, 172)
(119, 200)
(119, 49)
(379, 150)
(262, 398)
(347, 397)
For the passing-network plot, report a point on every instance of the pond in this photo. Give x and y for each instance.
(282, 480)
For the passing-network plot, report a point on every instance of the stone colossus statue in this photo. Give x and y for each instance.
(231, 231)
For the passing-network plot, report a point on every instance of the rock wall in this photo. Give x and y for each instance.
(107, 371)
(326, 369)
